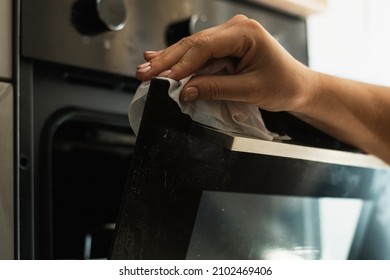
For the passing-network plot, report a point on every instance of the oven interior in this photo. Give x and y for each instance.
(87, 155)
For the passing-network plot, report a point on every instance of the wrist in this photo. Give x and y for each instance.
(310, 82)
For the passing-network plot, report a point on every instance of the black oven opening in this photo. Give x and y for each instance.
(87, 155)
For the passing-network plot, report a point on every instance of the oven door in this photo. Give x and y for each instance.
(197, 193)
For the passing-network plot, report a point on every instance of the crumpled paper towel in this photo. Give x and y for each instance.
(228, 116)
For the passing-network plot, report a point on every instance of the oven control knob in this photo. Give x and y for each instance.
(91, 17)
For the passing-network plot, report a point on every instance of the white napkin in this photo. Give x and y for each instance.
(229, 116)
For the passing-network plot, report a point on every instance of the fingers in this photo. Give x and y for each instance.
(220, 66)
(235, 61)
(149, 55)
(191, 53)
(220, 87)
(233, 42)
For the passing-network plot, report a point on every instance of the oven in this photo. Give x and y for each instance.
(77, 68)
(76, 83)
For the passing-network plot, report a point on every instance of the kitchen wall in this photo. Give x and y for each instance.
(351, 38)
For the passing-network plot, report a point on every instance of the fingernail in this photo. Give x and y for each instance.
(146, 64)
(151, 52)
(190, 94)
(144, 69)
(165, 73)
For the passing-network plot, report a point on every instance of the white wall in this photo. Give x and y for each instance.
(352, 39)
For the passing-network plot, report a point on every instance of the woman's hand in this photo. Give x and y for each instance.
(237, 60)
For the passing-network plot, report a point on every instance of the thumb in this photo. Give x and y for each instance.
(216, 87)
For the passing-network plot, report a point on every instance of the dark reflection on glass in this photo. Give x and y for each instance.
(246, 226)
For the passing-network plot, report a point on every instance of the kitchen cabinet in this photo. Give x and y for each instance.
(296, 7)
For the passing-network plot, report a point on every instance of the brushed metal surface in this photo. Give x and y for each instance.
(48, 33)
(6, 173)
(6, 39)
(297, 7)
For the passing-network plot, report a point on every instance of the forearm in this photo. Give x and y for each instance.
(356, 113)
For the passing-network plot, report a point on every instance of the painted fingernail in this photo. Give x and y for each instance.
(146, 64)
(190, 94)
(151, 52)
(165, 73)
(144, 68)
